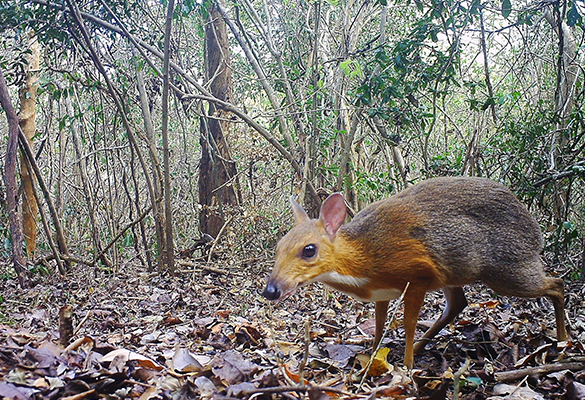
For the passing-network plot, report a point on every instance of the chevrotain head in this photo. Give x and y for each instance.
(302, 254)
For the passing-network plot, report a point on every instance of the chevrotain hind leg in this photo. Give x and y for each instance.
(413, 301)
(556, 294)
(381, 313)
(456, 302)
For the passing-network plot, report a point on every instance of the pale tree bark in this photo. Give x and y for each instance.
(27, 151)
(397, 157)
(27, 121)
(11, 184)
(217, 170)
(567, 73)
(310, 167)
(168, 256)
(567, 64)
(292, 101)
(159, 218)
(351, 25)
(78, 17)
(488, 80)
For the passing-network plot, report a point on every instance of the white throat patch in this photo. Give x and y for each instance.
(333, 277)
(337, 278)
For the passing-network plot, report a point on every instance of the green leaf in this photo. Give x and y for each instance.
(506, 8)
(488, 103)
(573, 16)
(344, 65)
(473, 381)
(567, 225)
(351, 68)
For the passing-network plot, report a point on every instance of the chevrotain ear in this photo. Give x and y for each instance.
(300, 214)
(333, 213)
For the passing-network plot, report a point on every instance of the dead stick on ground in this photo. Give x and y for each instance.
(306, 355)
(297, 389)
(518, 386)
(457, 378)
(508, 376)
(83, 321)
(218, 237)
(203, 267)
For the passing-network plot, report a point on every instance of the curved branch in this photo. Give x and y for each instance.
(206, 95)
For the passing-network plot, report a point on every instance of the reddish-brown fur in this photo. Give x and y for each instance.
(442, 233)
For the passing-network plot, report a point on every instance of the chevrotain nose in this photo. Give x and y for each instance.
(271, 292)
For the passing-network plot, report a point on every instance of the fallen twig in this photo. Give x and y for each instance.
(457, 378)
(306, 352)
(216, 240)
(508, 376)
(296, 389)
(518, 386)
(203, 266)
(83, 321)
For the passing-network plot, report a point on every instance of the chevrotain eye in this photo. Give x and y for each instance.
(309, 251)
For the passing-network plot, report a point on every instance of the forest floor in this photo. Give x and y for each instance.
(207, 333)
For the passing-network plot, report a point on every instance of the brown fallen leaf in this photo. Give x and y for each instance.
(529, 357)
(128, 355)
(79, 396)
(87, 341)
(171, 320)
(293, 376)
(575, 391)
(486, 304)
(379, 363)
(184, 362)
(10, 391)
(233, 368)
(247, 334)
(390, 391)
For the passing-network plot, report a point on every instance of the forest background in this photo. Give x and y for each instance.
(155, 131)
(148, 130)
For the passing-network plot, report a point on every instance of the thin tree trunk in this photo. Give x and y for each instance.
(567, 65)
(95, 226)
(488, 81)
(159, 217)
(567, 74)
(11, 184)
(168, 255)
(310, 170)
(60, 236)
(77, 16)
(28, 103)
(253, 60)
(217, 171)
